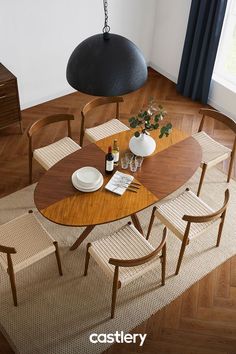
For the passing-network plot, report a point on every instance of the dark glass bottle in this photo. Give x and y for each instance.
(109, 162)
(116, 152)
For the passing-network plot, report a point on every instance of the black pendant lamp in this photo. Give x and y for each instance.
(106, 64)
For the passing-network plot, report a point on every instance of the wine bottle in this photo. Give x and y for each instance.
(109, 162)
(116, 152)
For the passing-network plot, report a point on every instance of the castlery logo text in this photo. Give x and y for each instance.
(117, 337)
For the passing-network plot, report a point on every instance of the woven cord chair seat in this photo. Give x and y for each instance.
(187, 203)
(104, 130)
(30, 239)
(49, 155)
(126, 243)
(212, 151)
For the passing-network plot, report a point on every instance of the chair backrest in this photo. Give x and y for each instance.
(206, 218)
(99, 101)
(7, 249)
(138, 261)
(220, 117)
(36, 126)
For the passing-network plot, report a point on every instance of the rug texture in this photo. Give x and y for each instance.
(57, 314)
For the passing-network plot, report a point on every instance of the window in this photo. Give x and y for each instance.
(225, 66)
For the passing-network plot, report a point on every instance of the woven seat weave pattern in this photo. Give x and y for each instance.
(126, 243)
(104, 130)
(49, 155)
(30, 239)
(187, 203)
(212, 151)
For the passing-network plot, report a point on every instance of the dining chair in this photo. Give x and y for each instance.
(125, 256)
(24, 241)
(212, 151)
(188, 216)
(106, 129)
(49, 155)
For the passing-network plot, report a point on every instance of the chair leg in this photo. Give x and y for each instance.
(82, 130)
(163, 261)
(87, 260)
(151, 222)
(81, 141)
(220, 229)
(204, 168)
(58, 257)
(230, 169)
(30, 170)
(181, 254)
(12, 279)
(114, 291)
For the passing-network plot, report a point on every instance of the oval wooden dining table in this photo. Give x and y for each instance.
(174, 161)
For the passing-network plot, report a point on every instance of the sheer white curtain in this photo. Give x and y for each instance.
(225, 66)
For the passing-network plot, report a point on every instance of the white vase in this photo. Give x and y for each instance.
(144, 145)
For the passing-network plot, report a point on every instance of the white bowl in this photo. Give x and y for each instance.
(82, 189)
(87, 177)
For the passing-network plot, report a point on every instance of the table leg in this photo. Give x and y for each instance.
(136, 223)
(81, 238)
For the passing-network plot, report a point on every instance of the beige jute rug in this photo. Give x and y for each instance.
(57, 314)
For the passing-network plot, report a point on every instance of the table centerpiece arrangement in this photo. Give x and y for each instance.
(142, 144)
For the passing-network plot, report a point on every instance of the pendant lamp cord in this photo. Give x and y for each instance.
(106, 27)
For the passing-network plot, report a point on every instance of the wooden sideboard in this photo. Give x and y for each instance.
(9, 99)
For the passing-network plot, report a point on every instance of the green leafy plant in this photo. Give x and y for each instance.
(150, 119)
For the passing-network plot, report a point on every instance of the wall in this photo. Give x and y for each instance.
(37, 38)
(222, 98)
(170, 27)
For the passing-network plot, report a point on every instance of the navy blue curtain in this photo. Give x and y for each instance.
(200, 47)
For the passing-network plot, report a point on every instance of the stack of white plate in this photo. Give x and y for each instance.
(87, 179)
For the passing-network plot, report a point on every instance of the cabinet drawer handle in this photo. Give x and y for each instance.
(2, 85)
(2, 97)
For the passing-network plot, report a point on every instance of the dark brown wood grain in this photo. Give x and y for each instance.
(9, 98)
(169, 169)
(5, 74)
(160, 175)
(56, 183)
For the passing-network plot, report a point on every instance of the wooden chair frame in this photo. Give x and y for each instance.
(219, 214)
(100, 101)
(131, 263)
(39, 124)
(220, 117)
(10, 270)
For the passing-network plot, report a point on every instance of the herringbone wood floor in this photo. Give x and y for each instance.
(203, 319)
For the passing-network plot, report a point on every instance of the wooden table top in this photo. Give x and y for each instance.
(172, 164)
